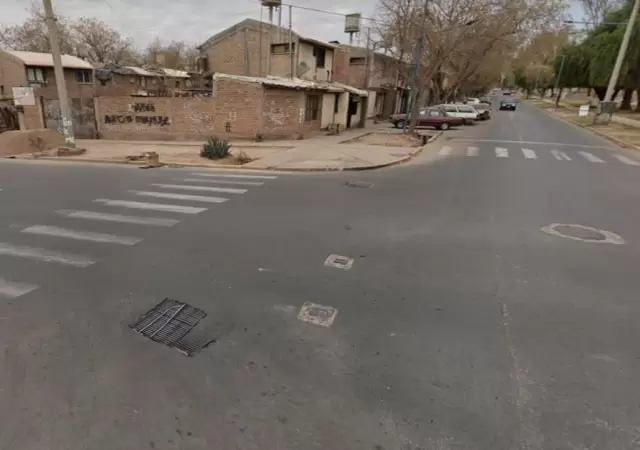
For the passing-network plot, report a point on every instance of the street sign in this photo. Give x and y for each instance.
(23, 96)
(584, 111)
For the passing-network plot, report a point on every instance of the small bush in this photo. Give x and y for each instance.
(215, 148)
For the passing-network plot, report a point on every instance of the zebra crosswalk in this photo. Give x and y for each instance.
(164, 202)
(538, 154)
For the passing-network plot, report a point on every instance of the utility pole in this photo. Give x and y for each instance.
(417, 61)
(621, 53)
(67, 123)
(291, 62)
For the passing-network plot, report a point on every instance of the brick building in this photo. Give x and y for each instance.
(385, 80)
(256, 49)
(35, 70)
(116, 80)
(240, 107)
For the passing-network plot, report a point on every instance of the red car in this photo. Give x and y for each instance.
(429, 117)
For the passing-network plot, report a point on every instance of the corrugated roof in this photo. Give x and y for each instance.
(142, 72)
(46, 60)
(293, 83)
(174, 73)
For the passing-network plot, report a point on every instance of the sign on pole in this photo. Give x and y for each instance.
(584, 111)
(23, 96)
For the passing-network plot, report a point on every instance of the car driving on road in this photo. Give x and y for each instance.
(508, 105)
(429, 117)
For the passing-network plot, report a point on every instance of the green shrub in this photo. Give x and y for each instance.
(215, 148)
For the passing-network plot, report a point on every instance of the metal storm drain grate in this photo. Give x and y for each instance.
(339, 262)
(169, 323)
(317, 314)
(358, 184)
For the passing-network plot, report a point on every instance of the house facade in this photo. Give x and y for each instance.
(258, 49)
(381, 75)
(35, 71)
(116, 80)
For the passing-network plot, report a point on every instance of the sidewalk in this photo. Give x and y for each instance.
(624, 131)
(368, 148)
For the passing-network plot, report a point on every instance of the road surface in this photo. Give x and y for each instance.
(460, 324)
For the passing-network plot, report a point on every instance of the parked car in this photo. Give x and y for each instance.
(508, 105)
(466, 112)
(471, 101)
(484, 111)
(485, 100)
(429, 117)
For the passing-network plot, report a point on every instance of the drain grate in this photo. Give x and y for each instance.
(169, 323)
(358, 184)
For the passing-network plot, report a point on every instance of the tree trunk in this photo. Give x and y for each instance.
(638, 100)
(626, 100)
(600, 91)
(421, 97)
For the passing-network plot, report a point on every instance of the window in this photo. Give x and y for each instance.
(320, 54)
(465, 109)
(35, 75)
(83, 76)
(282, 49)
(423, 112)
(312, 110)
(450, 109)
(178, 84)
(357, 61)
(435, 113)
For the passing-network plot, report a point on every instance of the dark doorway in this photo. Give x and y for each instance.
(352, 110)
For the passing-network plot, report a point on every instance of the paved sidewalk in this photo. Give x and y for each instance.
(323, 152)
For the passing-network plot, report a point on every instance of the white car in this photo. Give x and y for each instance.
(473, 101)
(466, 112)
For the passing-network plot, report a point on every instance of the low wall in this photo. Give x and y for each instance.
(237, 109)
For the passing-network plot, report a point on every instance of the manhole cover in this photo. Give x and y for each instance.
(583, 233)
(358, 184)
(169, 323)
(317, 314)
(339, 262)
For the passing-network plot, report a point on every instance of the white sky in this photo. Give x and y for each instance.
(193, 21)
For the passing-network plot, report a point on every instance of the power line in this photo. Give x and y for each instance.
(324, 11)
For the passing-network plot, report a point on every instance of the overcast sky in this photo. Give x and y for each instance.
(193, 21)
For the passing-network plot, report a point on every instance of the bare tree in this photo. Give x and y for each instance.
(174, 55)
(596, 10)
(32, 35)
(101, 43)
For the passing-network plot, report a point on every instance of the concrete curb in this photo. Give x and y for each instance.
(613, 139)
(233, 167)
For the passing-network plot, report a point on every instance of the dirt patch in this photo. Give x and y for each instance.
(29, 141)
(387, 140)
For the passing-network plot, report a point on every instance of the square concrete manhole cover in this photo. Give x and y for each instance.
(317, 314)
(339, 262)
(170, 323)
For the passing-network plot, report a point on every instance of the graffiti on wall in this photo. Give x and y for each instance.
(144, 107)
(113, 119)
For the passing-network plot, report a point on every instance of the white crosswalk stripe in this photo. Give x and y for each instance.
(502, 152)
(529, 154)
(188, 197)
(472, 151)
(47, 230)
(591, 157)
(627, 160)
(136, 220)
(214, 181)
(560, 156)
(445, 151)
(233, 175)
(152, 206)
(40, 254)
(188, 187)
(10, 289)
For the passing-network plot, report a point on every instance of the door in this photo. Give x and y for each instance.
(451, 110)
(352, 110)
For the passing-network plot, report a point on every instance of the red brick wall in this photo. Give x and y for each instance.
(12, 74)
(238, 104)
(341, 66)
(228, 54)
(281, 112)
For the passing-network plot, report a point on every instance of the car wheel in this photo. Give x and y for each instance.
(400, 124)
(444, 126)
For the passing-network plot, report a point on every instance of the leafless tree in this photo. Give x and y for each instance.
(100, 43)
(596, 10)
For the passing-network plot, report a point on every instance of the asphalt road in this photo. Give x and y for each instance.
(460, 325)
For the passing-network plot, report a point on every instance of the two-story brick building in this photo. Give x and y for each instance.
(35, 70)
(256, 49)
(382, 75)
